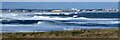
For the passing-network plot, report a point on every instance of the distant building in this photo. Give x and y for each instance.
(59, 10)
(56, 11)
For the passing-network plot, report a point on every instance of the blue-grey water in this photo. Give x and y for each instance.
(29, 22)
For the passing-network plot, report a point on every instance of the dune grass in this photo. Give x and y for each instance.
(96, 33)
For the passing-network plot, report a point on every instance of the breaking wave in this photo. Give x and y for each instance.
(27, 22)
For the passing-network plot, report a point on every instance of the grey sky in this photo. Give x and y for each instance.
(60, 0)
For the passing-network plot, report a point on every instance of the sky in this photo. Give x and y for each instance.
(58, 5)
(60, 0)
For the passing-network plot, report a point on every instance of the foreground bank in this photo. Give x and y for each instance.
(95, 33)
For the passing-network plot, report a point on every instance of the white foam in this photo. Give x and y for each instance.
(39, 22)
(25, 17)
(48, 18)
(115, 22)
(95, 22)
(1, 19)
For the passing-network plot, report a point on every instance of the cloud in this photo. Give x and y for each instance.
(60, 0)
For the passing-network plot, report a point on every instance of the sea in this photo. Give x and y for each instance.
(34, 22)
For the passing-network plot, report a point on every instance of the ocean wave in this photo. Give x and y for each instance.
(32, 22)
(24, 16)
(58, 21)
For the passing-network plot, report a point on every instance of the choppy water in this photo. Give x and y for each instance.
(27, 22)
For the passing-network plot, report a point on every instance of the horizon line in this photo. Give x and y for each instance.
(26, 1)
